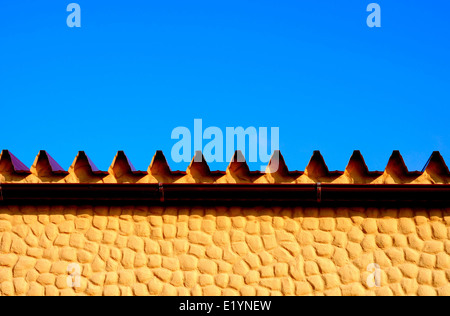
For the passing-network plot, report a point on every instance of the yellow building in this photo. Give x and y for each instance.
(237, 232)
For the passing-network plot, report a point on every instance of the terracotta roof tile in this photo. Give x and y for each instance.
(45, 166)
(83, 169)
(46, 170)
(10, 163)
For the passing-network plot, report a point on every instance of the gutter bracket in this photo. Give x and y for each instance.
(319, 192)
(161, 193)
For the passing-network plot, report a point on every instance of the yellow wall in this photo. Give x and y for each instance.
(184, 251)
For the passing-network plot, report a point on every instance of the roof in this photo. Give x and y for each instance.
(46, 170)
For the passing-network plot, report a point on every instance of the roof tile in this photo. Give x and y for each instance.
(83, 170)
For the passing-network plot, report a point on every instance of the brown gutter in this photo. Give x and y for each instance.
(222, 193)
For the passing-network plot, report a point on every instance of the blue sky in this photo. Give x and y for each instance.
(136, 70)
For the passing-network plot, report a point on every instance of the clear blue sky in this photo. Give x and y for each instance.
(135, 70)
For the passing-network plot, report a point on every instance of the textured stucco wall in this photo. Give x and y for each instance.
(223, 251)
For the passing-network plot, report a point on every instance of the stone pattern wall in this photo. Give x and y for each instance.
(223, 251)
